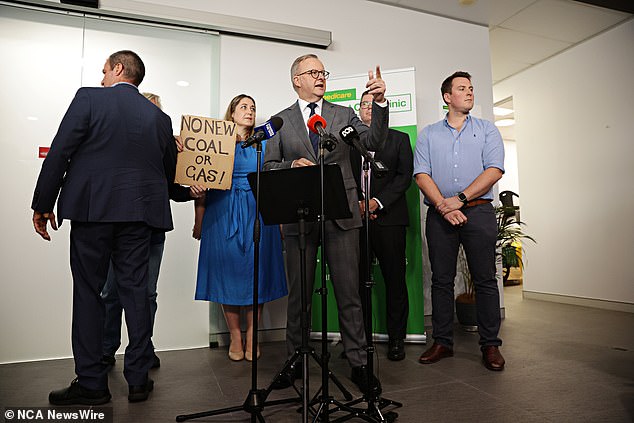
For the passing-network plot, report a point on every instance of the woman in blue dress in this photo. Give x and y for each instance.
(224, 225)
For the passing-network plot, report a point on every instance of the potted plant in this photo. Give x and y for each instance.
(510, 235)
(466, 310)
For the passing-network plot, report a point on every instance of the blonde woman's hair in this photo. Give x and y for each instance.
(154, 99)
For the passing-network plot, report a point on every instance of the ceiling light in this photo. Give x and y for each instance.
(31, 118)
(505, 122)
(502, 111)
(182, 83)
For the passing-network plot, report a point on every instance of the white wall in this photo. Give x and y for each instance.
(36, 285)
(575, 155)
(510, 180)
(364, 34)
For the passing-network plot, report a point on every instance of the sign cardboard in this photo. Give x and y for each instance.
(208, 152)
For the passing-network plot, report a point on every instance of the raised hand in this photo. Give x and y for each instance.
(376, 85)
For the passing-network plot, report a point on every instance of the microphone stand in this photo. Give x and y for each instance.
(373, 398)
(255, 401)
(304, 352)
(325, 399)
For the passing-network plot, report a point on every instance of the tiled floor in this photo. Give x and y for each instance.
(564, 364)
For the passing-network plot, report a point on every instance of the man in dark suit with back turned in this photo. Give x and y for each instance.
(388, 222)
(112, 157)
(292, 147)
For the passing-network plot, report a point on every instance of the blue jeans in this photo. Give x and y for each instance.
(110, 296)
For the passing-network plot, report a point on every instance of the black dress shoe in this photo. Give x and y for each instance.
(366, 384)
(156, 362)
(492, 358)
(138, 393)
(286, 378)
(108, 360)
(76, 394)
(395, 349)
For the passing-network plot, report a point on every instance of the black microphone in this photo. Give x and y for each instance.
(350, 136)
(264, 131)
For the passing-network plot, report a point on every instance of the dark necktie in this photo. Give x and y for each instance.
(314, 138)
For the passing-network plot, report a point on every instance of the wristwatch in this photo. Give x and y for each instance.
(462, 197)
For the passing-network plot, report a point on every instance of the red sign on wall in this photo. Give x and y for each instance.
(43, 152)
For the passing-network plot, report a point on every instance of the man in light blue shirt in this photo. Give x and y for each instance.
(456, 163)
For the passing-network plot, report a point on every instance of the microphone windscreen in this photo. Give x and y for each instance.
(269, 128)
(348, 133)
(313, 121)
(277, 122)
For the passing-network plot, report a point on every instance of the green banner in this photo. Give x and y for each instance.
(341, 95)
(401, 95)
(414, 271)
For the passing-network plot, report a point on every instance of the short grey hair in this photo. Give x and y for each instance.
(297, 62)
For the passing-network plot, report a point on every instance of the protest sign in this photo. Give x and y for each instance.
(208, 152)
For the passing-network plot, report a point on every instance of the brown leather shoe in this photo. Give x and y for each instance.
(492, 358)
(435, 353)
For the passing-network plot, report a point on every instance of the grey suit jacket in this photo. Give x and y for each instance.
(292, 143)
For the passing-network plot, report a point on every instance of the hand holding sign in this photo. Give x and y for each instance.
(197, 191)
(179, 143)
(376, 85)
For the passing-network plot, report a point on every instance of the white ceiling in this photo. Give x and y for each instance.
(523, 33)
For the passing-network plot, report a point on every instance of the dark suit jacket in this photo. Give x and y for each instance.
(390, 189)
(292, 142)
(111, 158)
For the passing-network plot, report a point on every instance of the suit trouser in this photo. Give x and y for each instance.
(342, 257)
(478, 238)
(113, 307)
(92, 246)
(387, 243)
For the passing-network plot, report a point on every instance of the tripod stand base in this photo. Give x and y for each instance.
(371, 414)
(253, 404)
(297, 360)
(373, 411)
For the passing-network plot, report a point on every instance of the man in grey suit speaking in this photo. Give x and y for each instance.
(292, 146)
